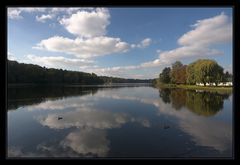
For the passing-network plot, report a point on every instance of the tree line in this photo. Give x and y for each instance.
(200, 71)
(20, 73)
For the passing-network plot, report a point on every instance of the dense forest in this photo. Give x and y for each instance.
(20, 73)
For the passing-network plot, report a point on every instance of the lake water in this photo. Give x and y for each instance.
(139, 121)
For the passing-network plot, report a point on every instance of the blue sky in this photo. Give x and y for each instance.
(122, 42)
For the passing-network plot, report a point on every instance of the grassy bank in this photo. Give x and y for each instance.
(195, 87)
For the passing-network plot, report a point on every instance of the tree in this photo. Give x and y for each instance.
(174, 72)
(217, 74)
(29, 73)
(164, 77)
(190, 74)
(178, 73)
(227, 77)
(204, 71)
(182, 75)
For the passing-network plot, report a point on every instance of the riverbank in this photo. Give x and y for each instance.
(219, 89)
(78, 85)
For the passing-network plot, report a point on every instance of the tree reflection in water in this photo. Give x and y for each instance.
(18, 97)
(200, 102)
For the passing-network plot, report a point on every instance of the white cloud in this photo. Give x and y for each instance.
(198, 42)
(146, 42)
(69, 10)
(58, 62)
(84, 48)
(44, 17)
(143, 44)
(87, 24)
(209, 31)
(14, 13)
(167, 57)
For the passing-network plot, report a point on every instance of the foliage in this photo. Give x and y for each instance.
(227, 77)
(208, 71)
(19, 73)
(165, 75)
(175, 72)
(200, 71)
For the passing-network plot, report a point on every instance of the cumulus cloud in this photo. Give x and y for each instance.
(199, 41)
(209, 31)
(87, 24)
(84, 48)
(59, 62)
(195, 43)
(167, 57)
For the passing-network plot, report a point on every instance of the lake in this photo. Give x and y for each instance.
(118, 121)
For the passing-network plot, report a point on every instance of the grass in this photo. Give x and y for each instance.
(195, 87)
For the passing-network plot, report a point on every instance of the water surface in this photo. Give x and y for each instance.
(117, 121)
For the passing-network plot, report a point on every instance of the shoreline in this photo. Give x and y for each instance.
(195, 87)
(78, 85)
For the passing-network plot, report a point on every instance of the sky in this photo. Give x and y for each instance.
(120, 42)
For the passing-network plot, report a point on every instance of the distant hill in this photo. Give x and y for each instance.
(20, 73)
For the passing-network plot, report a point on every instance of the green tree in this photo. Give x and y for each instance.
(227, 77)
(164, 77)
(190, 74)
(204, 71)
